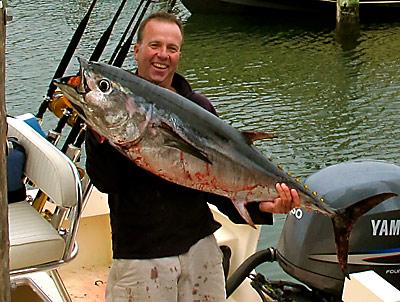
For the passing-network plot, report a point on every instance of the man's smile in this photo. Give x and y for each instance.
(160, 65)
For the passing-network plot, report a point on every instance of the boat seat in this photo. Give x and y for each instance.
(33, 240)
(41, 242)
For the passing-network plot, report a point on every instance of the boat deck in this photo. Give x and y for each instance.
(85, 277)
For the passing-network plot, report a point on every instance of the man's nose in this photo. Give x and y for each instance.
(162, 52)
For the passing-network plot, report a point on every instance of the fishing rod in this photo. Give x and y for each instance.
(76, 128)
(76, 137)
(101, 44)
(118, 62)
(125, 48)
(117, 49)
(74, 149)
(54, 135)
(62, 66)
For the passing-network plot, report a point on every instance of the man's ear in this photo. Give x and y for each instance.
(135, 49)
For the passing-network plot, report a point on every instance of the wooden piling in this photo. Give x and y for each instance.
(347, 22)
(5, 295)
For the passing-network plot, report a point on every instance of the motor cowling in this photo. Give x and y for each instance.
(306, 249)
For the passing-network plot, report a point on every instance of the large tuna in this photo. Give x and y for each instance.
(179, 141)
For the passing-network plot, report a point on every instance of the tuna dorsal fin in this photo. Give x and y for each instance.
(252, 136)
(343, 223)
(174, 140)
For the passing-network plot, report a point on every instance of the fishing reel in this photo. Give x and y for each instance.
(61, 107)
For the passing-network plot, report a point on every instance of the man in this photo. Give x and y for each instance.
(162, 233)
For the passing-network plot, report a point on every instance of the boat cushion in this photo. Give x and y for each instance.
(16, 158)
(33, 240)
(46, 166)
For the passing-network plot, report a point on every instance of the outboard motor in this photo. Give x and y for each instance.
(306, 249)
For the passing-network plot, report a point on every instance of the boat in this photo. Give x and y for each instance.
(286, 6)
(305, 251)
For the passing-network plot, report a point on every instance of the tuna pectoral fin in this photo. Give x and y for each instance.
(344, 220)
(174, 140)
(241, 207)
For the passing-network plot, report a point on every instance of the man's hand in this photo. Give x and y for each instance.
(287, 200)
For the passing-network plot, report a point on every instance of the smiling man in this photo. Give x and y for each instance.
(163, 241)
(158, 50)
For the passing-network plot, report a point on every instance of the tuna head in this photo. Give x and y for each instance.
(106, 106)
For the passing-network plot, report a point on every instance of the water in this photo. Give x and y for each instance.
(326, 104)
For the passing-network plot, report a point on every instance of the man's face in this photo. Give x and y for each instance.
(158, 54)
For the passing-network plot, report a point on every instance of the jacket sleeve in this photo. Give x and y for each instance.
(225, 205)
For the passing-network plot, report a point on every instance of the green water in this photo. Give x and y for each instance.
(326, 104)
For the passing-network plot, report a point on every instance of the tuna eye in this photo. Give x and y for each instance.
(104, 85)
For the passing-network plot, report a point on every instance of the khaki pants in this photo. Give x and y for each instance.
(195, 276)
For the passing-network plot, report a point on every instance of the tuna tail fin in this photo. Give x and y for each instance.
(343, 222)
(241, 207)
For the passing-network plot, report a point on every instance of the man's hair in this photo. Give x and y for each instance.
(161, 16)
